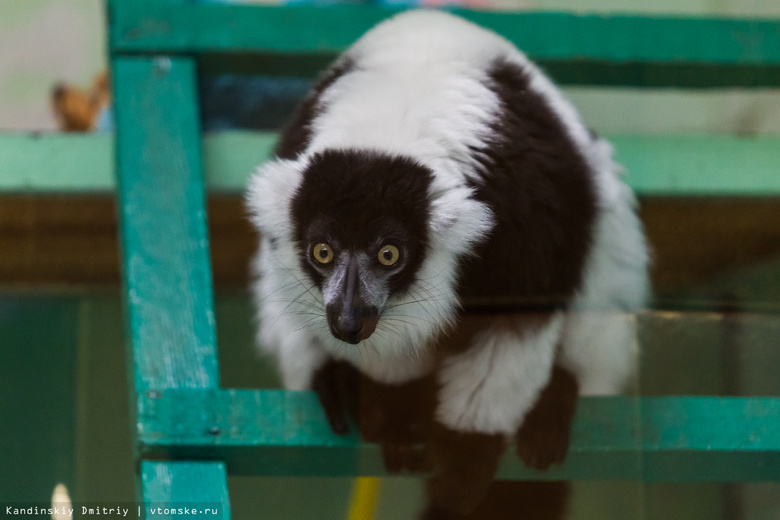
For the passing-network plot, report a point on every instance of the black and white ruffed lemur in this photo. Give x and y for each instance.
(432, 170)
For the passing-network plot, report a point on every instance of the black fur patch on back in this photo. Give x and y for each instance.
(297, 134)
(540, 189)
(361, 200)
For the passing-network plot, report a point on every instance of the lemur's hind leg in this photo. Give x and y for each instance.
(543, 438)
(510, 500)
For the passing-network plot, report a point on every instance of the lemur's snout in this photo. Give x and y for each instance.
(350, 317)
(353, 322)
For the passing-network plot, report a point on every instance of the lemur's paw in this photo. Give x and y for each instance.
(337, 385)
(464, 466)
(541, 448)
(404, 457)
(543, 438)
(398, 417)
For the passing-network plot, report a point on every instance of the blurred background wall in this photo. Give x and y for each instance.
(43, 42)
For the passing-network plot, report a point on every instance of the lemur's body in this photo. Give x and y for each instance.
(434, 166)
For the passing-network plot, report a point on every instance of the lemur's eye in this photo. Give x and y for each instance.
(388, 255)
(322, 253)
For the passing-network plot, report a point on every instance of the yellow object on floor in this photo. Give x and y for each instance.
(365, 494)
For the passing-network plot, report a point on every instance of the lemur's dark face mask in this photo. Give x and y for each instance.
(360, 222)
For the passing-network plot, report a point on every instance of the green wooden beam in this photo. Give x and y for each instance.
(576, 49)
(196, 490)
(229, 158)
(676, 165)
(700, 165)
(165, 248)
(84, 163)
(271, 432)
(153, 26)
(57, 162)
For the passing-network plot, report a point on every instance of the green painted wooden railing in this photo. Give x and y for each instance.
(604, 50)
(181, 411)
(660, 165)
(672, 439)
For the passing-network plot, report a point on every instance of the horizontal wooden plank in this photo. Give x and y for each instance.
(57, 162)
(195, 490)
(273, 432)
(577, 49)
(84, 163)
(684, 165)
(153, 26)
(229, 158)
(700, 165)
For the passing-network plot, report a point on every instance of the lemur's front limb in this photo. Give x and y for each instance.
(543, 438)
(337, 385)
(486, 393)
(397, 416)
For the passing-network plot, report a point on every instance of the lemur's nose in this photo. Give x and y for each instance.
(352, 324)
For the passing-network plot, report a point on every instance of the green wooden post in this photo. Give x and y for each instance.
(163, 219)
(165, 246)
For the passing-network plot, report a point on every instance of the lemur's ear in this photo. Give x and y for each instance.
(458, 222)
(269, 194)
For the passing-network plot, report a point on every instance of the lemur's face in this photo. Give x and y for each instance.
(361, 228)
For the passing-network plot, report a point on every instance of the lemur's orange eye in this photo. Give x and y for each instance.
(322, 253)
(388, 255)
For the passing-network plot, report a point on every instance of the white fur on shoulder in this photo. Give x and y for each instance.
(269, 194)
(492, 386)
